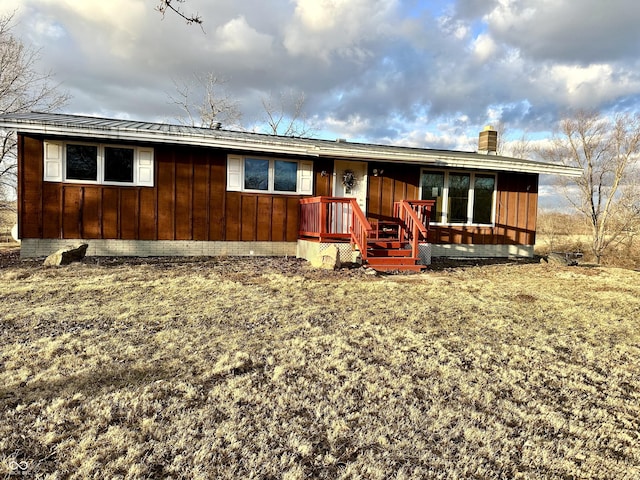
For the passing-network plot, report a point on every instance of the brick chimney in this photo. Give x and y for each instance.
(488, 141)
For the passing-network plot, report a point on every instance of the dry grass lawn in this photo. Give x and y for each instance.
(265, 369)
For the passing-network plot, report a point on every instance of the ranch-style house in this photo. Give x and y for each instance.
(152, 189)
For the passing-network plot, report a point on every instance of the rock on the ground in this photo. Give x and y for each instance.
(67, 255)
(328, 259)
(555, 258)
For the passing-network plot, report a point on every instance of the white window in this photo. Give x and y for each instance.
(461, 197)
(76, 162)
(269, 175)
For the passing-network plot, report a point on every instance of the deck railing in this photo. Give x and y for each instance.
(414, 218)
(361, 229)
(342, 219)
(335, 219)
(325, 218)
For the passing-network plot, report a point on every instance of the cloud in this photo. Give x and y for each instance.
(414, 73)
(484, 48)
(236, 36)
(589, 31)
(346, 28)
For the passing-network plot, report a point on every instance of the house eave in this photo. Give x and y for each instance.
(124, 131)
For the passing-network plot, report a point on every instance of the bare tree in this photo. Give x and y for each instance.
(286, 116)
(169, 5)
(212, 104)
(517, 148)
(606, 194)
(22, 89)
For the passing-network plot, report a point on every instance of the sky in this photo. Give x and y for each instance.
(406, 72)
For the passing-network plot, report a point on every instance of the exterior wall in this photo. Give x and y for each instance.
(188, 202)
(33, 247)
(398, 182)
(516, 206)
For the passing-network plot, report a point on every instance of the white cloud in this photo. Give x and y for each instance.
(237, 36)
(484, 48)
(354, 127)
(562, 30)
(321, 28)
(375, 70)
(587, 87)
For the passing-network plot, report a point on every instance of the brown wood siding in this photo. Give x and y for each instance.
(91, 212)
(183, 197)
(279, 215)
(52, 208)
(323, 183)
(516, 206)
(30, 165)
(200, 207)
(165, 170)
(71, 213)
(147, 228)
(129, 213)
(217, 196)
(232, 216)
(293, 219)
(398, 182)
(110, 212)
(520, 209)
(189, 202)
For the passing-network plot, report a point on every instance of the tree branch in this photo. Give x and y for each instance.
(165, 5)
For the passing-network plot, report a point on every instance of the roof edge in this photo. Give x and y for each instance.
(128, 130)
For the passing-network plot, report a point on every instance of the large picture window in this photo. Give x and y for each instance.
(250, 174)
(94, 163)
(460, 197)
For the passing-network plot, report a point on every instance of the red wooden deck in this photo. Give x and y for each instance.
(384, 245)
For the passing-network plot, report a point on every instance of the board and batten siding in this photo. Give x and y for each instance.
(188, 201)
(516, 206)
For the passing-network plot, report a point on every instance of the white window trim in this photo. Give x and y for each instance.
(471, 199)
(235, 175)
(55, 164)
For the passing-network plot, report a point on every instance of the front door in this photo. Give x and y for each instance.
(350, 180)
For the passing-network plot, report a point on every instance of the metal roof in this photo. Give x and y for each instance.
(53, 124)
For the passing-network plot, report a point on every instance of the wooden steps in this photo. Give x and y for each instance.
(393, 264)
(387, 254)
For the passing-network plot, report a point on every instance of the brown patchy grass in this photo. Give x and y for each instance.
(263, 368)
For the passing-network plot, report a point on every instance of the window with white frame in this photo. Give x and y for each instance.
(77, 162)
(269, 175)
(460, 197)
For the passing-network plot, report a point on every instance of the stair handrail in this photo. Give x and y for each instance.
(361, 229)
(411, 225)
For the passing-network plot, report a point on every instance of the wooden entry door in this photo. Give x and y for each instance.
(358, 189)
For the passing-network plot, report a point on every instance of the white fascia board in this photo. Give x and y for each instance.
(426, 158)
(164, 137)
(473, 161)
